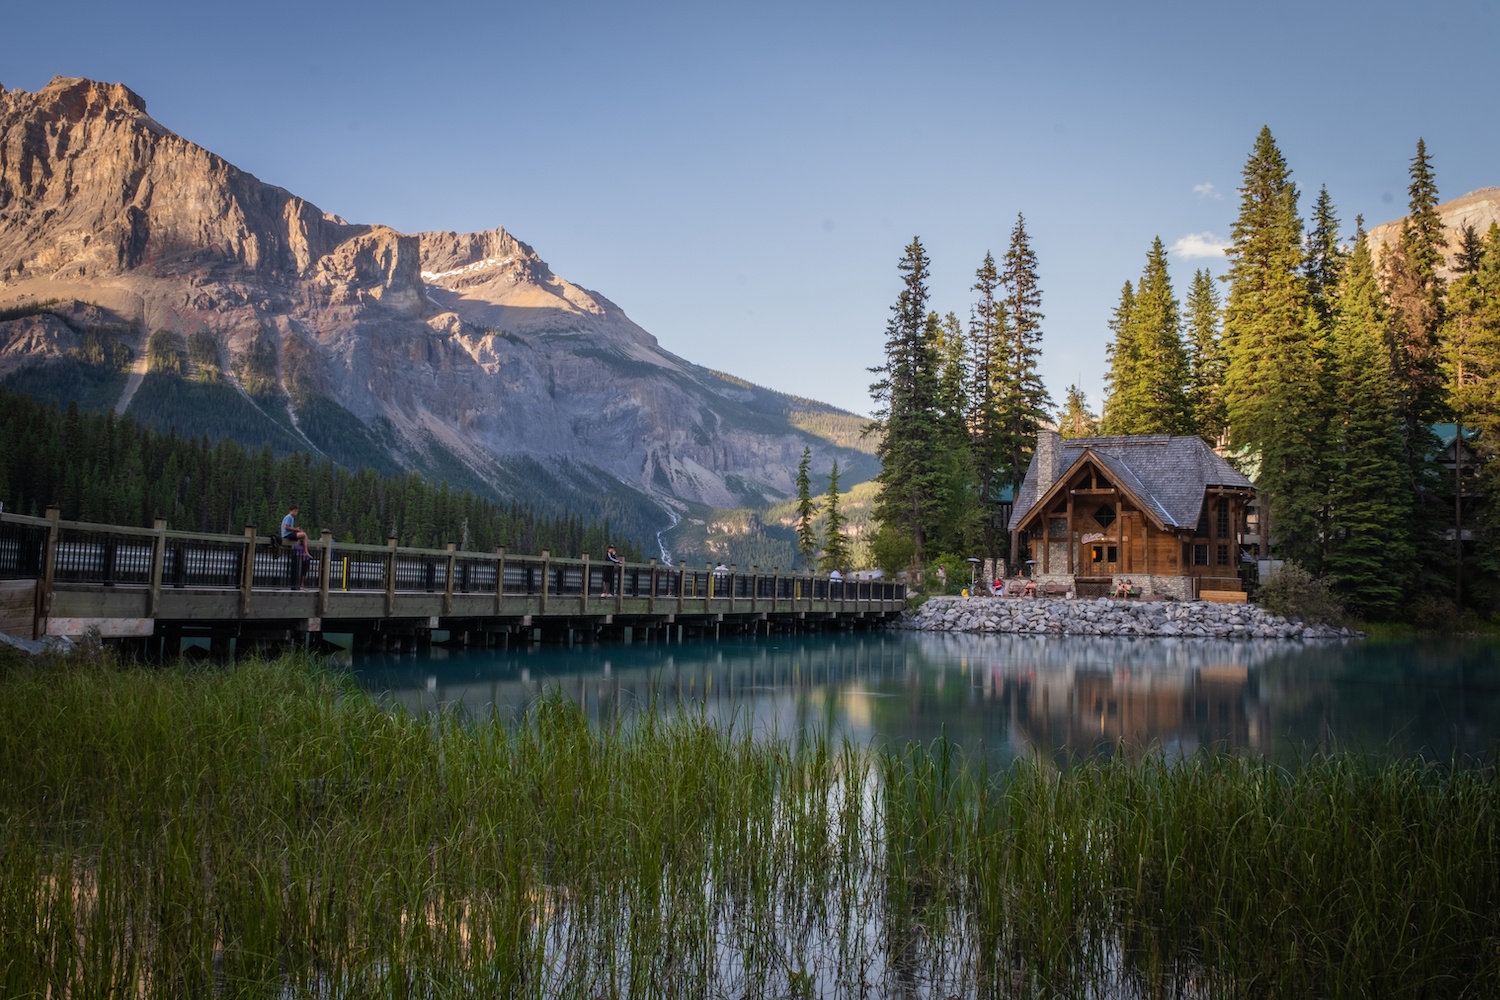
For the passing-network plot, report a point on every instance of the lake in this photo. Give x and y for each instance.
(1006, 695)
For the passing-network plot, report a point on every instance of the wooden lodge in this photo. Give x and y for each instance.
(1165, 513)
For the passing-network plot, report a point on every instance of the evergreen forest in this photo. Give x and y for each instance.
(1356, 382)
(102, 468)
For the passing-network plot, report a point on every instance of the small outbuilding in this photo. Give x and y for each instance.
(1164, 512)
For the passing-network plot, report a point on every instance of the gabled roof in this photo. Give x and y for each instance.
(1167, 475)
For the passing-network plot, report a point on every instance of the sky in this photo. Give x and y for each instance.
(742, 179)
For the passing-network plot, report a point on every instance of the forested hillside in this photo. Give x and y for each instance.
(97, 467)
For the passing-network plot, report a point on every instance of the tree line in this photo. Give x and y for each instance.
(1357, 385)
(106, 469)
(957, 407)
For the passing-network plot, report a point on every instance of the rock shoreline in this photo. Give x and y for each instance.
(1103, 616)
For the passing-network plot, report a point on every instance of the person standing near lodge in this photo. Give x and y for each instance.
(610, 571)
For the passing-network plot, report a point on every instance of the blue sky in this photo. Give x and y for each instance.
(742, 179)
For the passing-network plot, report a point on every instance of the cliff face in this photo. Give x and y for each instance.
(1479, 209)
(460, 345)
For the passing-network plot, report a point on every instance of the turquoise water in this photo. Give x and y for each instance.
(1061, 697)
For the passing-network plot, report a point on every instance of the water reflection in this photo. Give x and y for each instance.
(1061, 697)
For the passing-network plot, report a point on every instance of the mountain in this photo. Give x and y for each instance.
(1479, 209)
(141, 271)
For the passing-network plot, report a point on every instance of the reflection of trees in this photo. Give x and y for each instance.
(1004, 694)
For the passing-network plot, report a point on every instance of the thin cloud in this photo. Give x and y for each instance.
(1199, 246)
(1207, 190)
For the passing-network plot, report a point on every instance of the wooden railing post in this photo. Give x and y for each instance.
(651, 598)
(390, 576)
(247, 571)
(546, 575)
(49, 561)
(325, 571)
(583, 594)
(448, 583)
(158, 564)
(754, 586)
(499, 577)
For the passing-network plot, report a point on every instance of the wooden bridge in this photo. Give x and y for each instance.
(150, 588)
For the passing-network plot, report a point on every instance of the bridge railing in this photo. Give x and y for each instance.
(80, 553)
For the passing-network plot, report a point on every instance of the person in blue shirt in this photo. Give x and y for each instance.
(290, 533)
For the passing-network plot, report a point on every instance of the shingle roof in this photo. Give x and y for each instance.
(1167, 474)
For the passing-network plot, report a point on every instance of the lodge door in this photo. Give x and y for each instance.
(1101, 558)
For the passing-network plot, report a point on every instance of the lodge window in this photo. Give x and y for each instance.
(1096, 553)
(1104, 516)
(1114, 554)
(1223, 518)
(1223, 555)
(1200, 555)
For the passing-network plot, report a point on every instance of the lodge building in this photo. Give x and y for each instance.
(1164, 512)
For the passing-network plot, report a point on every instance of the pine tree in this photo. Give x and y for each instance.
(835, 544)
(1470, 250)
(807, 511)
(906, 413)
(1369, 487)
(1272, 381)
(1159, 396)
(1416, 293)
(1021, 398)
(1120, 381)
(1323, 258)
(989, 337)
(956, 529)
(1205, 358)
(1076, 420)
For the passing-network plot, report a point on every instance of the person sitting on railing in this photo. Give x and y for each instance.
(295, 536)
(290, 533)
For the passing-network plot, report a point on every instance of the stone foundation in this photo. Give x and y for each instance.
(1105, 616)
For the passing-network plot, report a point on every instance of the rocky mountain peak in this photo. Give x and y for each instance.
(461, 353)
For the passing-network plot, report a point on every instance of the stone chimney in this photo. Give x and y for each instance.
(1048, 451)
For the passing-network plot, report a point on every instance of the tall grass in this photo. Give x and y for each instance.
(267, 830)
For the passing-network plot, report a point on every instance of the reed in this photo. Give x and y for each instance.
(268, 830)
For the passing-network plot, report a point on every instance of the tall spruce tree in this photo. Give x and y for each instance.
(1160, 400)
(1271, 379)
(957, 524)
(835, 542)
(807, 511)
(1416, 291)
(905, 396)
(1323, 258)
(989, 336)
(1120, 380)
(1368, 541)
(1205, 358)
(1022, 399)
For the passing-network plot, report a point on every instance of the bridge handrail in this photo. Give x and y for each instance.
(438, 570)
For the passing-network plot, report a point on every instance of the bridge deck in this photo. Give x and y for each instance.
(141, 582)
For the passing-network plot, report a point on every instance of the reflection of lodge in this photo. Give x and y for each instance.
(1078, 712)
(719, 679)
(1165, 512)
